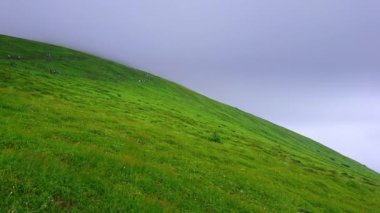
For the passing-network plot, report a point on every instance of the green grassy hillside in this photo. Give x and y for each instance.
(80, 133)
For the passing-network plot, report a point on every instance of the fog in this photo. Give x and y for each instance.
(310, 66)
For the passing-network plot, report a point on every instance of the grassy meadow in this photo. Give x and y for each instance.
(82, 134)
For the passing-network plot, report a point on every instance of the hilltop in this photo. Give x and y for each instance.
(81, 133)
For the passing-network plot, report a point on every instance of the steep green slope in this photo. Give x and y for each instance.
(79, 133)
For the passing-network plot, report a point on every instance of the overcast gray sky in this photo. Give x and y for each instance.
(311, 66)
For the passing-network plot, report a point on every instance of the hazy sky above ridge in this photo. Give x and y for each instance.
(311, 66)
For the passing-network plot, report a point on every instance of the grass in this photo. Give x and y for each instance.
(79, 133)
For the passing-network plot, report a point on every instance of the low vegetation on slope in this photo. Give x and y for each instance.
(79, 133)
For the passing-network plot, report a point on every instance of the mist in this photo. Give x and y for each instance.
(310, 66)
